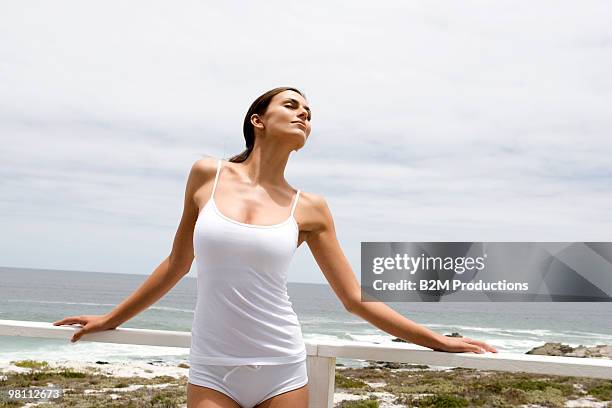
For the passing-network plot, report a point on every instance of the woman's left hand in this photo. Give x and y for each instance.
(465, 344)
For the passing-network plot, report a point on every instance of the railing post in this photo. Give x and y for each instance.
(321, 381)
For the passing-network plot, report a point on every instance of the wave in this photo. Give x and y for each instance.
(539, 332)
(164, 308)
(90, 351)
(564, 336)
(516, 345)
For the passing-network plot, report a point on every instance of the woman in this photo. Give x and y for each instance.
(242, 222)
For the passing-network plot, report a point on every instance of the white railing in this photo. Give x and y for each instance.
(321, 360)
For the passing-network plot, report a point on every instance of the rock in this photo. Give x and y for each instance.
(102, 362)
(559, 349)
(455, 334)
(551, 349)
(599, 351)
(393, 365)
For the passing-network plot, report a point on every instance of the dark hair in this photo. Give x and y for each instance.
(259, 106)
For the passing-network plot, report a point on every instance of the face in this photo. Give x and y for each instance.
(288, 115)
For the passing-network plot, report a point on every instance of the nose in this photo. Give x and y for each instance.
(303, 114)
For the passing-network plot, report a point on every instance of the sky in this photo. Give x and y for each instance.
(431, 120)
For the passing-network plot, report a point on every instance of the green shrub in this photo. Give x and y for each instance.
(33, 364)
(529, 385)
(68, 373)
(163, 401)
(345, 382)
(602, 391)
(369, 403)
(443, 401)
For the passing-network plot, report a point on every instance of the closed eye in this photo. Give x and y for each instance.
(292, 107)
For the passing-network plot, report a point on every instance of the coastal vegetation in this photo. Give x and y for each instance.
(376, 386)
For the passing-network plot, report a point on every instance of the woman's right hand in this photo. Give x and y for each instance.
(90, 324)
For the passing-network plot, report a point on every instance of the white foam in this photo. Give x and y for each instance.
(370, 338)
(165, 308)
(495, 330)
(87, 351)
(314, 337)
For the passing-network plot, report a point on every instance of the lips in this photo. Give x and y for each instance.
(300, 123)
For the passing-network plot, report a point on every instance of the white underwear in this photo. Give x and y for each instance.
(250, 385)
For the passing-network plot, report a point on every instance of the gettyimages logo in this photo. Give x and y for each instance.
(428, 263)
(486, 271)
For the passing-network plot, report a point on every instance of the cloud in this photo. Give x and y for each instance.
(431, 120)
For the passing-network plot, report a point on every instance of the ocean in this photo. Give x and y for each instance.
(50, 295)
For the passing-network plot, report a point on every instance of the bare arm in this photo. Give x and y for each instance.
(176, 265)
(166, 275)
(163, 278)
(326, 250)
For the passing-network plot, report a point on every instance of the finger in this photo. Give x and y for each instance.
(467, 348)
(76, 336)
(484, 345)
(475, 342)
(491, 348)
(69, 320)
(477, 350)
(62, 321)
(481, 344)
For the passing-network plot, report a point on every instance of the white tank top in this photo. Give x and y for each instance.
(243, 315)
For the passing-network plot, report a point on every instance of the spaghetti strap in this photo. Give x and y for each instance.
(297, 196)
(216, 178)
(242, 273)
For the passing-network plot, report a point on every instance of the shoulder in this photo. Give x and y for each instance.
(315, 212)
(312, 201)
(202, 172)
(203, 169)
(204, 166)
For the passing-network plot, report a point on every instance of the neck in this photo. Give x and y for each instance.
(266, 166)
